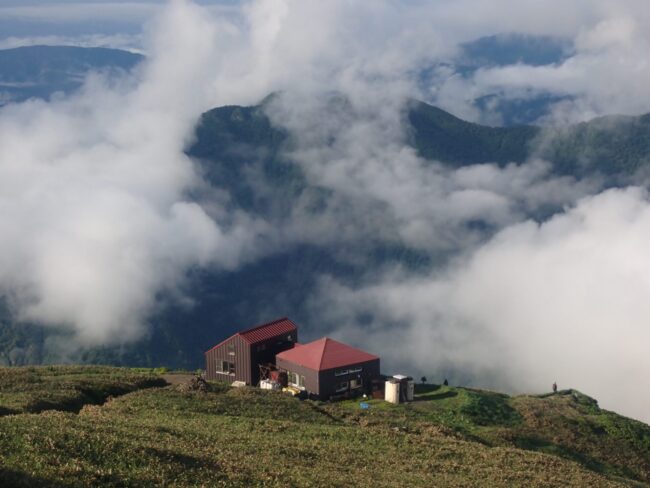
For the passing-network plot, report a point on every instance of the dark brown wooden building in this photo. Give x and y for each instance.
(327, 368)
(238, 357)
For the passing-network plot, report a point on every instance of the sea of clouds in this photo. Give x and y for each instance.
(97, 218)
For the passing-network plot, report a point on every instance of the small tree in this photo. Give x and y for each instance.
(423, 379)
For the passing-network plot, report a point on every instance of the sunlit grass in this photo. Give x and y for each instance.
(249, 437)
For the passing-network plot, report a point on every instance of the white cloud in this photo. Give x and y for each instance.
(606, 75)
(357, 148)
(563, 301)
(120, 12)
(126, 42)
(92, 192)
(134, 12)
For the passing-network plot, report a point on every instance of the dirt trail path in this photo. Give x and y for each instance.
(177, 379)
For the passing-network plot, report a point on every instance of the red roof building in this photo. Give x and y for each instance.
(325, 354)
(238, 357)
(327, 368)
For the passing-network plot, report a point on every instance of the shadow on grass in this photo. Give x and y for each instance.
(91, 395)
(7, 411)
(425, 388)
(434, 397)
(187, 462)
(19, 479)
(325, 413)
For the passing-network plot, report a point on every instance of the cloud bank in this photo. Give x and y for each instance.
(125, 42)
(561, 301)
(93, 192)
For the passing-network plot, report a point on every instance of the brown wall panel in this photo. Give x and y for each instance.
(311, 376)
(329, 380)
(247, 358)
(324, 383)
(239, 354)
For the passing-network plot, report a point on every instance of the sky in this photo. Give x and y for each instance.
(117, 24)
(94, 187)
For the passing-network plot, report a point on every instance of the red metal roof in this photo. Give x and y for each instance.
(325, 354)
(268, 331)
(263, 332)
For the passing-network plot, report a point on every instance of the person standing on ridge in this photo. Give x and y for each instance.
(554, 387)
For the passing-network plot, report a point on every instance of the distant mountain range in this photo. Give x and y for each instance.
(616, 146)
(40, 71)
(231, 141)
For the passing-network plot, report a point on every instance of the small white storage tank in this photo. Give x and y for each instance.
(410, 390)
(392, 391)
(406, 387)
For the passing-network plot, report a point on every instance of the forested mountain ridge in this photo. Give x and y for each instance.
(613, 145)
(234, 142)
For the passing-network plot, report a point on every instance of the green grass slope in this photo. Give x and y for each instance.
(568, 424)
(249, 437)
(67, 388)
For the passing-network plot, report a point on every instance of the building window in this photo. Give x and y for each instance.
(342, 386)
(358, 383)
(225, 367)
(296, 380)
(343, 372)
(231, 349)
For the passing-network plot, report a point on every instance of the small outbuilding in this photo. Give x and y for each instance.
(326, 368)
(399, 389)
(239, 357)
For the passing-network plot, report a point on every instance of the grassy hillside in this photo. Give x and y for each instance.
(248, 437)
(67, 388)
